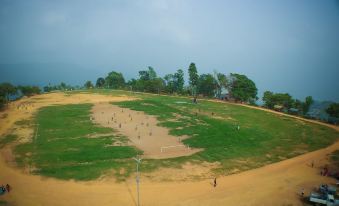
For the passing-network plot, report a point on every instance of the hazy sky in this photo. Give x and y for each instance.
(284, 46)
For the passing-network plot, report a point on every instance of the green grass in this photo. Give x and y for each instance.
(7, 139)
(263, 137)
(63, 149)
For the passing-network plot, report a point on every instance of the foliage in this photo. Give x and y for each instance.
(115, 80)
(306, 105)
(179, 77)
(148, 82)
(206, 85)
(221, 83)
(100, 82)
(242, 88)
(2, 102)
(88, 85)
(7, 139)
(62, 86)
(193, 78)
(174, 83)
(29, 90)
(333, 110)
(283, 99)
(7, 89)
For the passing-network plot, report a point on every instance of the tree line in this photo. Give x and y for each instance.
(232, 86)
(7, 90)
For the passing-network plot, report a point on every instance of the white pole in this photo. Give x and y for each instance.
(138, 160)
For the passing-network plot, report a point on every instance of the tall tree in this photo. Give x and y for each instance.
(88, 85)
(333, 110)
(169, 83)
(221, 83)
(308, 102)
(115, 80)
(179, 80)
(100, 82)
(243, 89)
(206, 85)
(193, 78)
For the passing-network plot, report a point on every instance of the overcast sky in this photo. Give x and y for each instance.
(284, 46)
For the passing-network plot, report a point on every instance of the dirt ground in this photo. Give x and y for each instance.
(142, 131)
(276, 184)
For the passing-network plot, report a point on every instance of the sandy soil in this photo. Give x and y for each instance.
(275, 184)
(142, 131)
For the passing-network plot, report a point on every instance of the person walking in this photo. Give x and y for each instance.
(8, 188)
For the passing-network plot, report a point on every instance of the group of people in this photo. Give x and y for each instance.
(3, 189)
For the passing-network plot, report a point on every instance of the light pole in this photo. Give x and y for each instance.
(138, 160)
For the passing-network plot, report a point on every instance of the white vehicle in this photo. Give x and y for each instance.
(323, 199)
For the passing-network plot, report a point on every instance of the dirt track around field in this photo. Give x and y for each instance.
(275, 184)
(142, 131)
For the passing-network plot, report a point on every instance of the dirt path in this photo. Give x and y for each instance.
(275, 184)
(142, 131)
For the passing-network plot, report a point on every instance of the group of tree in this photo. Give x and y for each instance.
(239, 87)
(285, 102)
(333, 110)
(62, 87)
(7, 90)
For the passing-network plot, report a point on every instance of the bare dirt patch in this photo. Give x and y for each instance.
(142, 131)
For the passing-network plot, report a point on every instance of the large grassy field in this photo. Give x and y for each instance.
(64, 147)
(263, 137)
(69, 146)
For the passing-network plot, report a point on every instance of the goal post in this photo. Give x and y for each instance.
(162, 149)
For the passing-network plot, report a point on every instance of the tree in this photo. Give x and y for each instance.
(63, 86)
(29, 90)
(88, 85)
(221, 82)
(268, 100)
(193, 78)
(206, 85)
(132, 84)
(6, 90)
(174, 82)
(169, 83)
(333, 110)
(282, 99)
(243, 89)
(100, 82)
(179, 77)
(149, 82)
(115, 80)
(307, 104)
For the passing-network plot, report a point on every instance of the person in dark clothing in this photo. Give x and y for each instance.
(8, 188)
(215, 182)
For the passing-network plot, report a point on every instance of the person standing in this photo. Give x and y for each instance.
(8, 188)
(215, 182)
